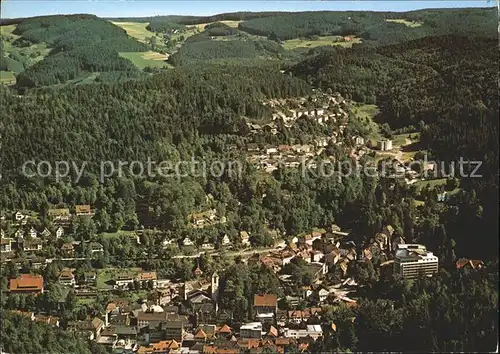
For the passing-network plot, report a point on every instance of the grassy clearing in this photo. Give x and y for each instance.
(19, 57)
(7, 77)
(365, 114)
(105, 276)
(7, 31)
(233, 24)
(118, 234)
(412, 24)
(405, 139)
(137, 30)
(321, 41)
(431, 183)
(144, 59)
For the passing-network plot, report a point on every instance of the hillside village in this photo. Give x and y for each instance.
(332, 112)
(172, 316)
(168, 315)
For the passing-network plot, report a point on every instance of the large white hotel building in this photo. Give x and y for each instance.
(413, 260)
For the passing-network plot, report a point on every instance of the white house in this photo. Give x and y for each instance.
(33, 233)
(19, 233)
(59, 232)
(207, 246)
(166, 242)
(323, 294)
(359, 140)
(225, 240)
(6, 245)
(19, 216)
(187, 242)
(245, 238)
(271, 150)
(46, 233)
(313, 331)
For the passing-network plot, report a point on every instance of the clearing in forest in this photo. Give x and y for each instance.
(320, 41)
(412, 24)
(144, 59)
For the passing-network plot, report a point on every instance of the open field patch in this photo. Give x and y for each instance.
(145, 59)
(6, 31)
(365, 123)
(7, 77)
(320, 41)
(118, 234)
(412, 24)
(105, 277)
(137, 30)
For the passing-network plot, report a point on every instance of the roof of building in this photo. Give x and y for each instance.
(225, 329)
(200, 334)
(268, 300)
(84, 208)
(26, 282)
(273, 332)
(147, 276)
(151, 316)
(66, 273)
(474, 263)
(67, 246)
(58, 211)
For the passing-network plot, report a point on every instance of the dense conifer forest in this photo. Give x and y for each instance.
(79, 43)
(373, 27)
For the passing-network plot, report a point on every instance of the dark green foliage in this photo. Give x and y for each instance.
(373, 27)
(66, 66)
(21, 335)
(288, 26)
(161, 25)
(219, 29)
(193, 20)
(118, 76)
(81, 43)
(202, 49)
(210, 50)
(213, 97)
(52, 29)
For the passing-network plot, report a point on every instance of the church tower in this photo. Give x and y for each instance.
(215, 286)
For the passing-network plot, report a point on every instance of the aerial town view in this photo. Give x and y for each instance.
(216, 177)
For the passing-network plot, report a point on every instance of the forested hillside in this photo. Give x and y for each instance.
(79, 44)
(376, 27)
(213, 98)
(21, 335)
(193, 20)
(203, 49)
(445, 86)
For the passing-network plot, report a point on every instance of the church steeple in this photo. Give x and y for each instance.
(215, 286)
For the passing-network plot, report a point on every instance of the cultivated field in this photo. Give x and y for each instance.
(7, 77)
(137, 30)
(321, 41)
(144, 59)
(412, 24)
(234, 24)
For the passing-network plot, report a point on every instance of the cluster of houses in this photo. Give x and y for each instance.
(319, 107)
(186, 317)
(327, 109)
(205, 219)
(20, 235)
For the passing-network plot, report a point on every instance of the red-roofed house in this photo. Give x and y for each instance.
(472, 263)
(265, 303)
(26, 284)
